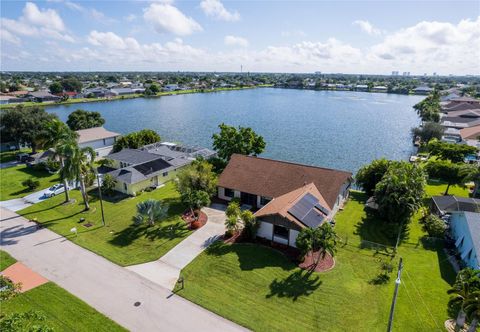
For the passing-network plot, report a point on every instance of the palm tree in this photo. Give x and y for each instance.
(231, 224)
(326, 240)
(150, 211)
(78, 165)
(57, 136)
(472, 309)
(466, 284)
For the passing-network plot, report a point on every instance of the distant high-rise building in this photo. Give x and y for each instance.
(318, 73)
(394, 73)
(435, 74)
(406, 73)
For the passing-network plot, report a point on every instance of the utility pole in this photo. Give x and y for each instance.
(394, 301)
(100, 196)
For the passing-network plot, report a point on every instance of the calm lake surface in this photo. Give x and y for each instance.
(341, 129)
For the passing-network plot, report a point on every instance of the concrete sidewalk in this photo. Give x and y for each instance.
(166, 270)
(126, 297)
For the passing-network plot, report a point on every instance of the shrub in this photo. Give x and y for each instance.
(9, 288)
(434, 226)
(233, 210)
(250, 224)
(31, 184)
(108, 184)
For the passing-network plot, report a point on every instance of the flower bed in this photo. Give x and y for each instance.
(192, 221)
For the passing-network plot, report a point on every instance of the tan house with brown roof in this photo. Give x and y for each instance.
(287, 196)
(99, 139)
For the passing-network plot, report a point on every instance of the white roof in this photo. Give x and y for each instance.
(94, 134)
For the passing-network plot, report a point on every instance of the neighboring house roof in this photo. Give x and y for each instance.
(456, 203)
(470, 133)
(94, 134)
(141, 172)
(132, 156)
(274, 178)
(453, 106)
(460, 122)
(41, 94)
(468, 113)
(473, 223)
(466, 99)
(283, 205)
(423, 88)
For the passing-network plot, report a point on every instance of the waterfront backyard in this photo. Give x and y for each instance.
(258, 287)
(120, 240)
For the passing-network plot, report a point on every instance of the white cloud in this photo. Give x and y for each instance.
(235, 41)
(7, 36)
(367, 27)
(166, 18)
(36, 22)
(47, 18)
(217, 10)
(432, 46)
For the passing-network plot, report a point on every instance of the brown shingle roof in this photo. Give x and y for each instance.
(274, 178)
(93, 134)
(282, 204)
(470, 133)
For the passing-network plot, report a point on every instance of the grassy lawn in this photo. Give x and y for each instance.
(5, 260)
(63, 311)
(11, 155)
(259, 288)
(120, 241)
(11, 181)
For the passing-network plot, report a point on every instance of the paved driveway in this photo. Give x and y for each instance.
(109, 288)
(18, 204)
(166, 270)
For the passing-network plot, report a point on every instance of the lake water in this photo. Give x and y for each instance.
(338, 129)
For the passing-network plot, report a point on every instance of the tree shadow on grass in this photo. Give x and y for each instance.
(167, 232)
(447, 271)
(299, 283)
(251, 256)
(113, 198)
(376, 232)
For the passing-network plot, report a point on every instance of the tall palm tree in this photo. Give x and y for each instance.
(78, 165)
(465, 285)
(472, 309)
(57, 136)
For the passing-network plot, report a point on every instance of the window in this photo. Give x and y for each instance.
(104, 141)
(229, 192)
(122, 165)
(280, 231)
(125, 186)
(264, 200)
(165, 174)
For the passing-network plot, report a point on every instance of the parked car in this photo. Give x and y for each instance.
(55, 190)
(23, 157)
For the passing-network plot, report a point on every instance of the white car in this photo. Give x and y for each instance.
(55, 190)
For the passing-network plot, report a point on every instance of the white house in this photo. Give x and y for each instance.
(286, 196)
(99, 139)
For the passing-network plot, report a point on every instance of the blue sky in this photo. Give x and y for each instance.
(218, 35)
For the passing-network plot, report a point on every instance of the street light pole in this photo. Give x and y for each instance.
(100, 196)
(394, 301)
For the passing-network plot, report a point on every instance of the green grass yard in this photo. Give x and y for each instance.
(120, 241)
(63, 311)
(11, 181)
(5, 260)
(261, 289)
